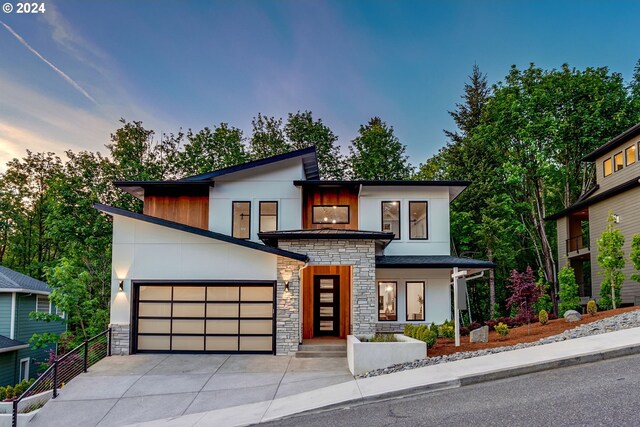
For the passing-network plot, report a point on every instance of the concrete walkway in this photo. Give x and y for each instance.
(436, 377)
(122, 390)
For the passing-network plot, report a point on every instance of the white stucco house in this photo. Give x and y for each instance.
(258, 257)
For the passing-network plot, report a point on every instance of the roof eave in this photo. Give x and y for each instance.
(23, 291)
(612, 143)
(14, 348)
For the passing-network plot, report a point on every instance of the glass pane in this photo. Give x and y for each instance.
(326, 325)
(331, 214)
(153, 342)
(387, 301)
(630, 154)
(608, 167)
(256, 310)
(188, 310)
(268, 216)
(188, 293)
(391, 218)
(326, 311)
(195, 343)
(222, 326)
(415, 301)
(155, 293)
(618, 162)
(255, 343)
(188, 326)
(222, 310)
(223, 293)
(162, 309)
(326, 283)
(256, 293)
(241, 219)
(256, 327)
(222, 343)
(326, 297)
(418, 220)
(154, 326)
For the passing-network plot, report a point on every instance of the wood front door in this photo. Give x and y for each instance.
(326, 307)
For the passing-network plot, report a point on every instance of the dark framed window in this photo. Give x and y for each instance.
(268, 216)
(387, 301)
(415, 301)
(630, 154)
(418, 220)
(241, 220)
(607, 167)
(330, 214)
(391, 218)
(618, 161)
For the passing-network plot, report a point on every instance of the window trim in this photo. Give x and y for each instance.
(260, 230)
(406, 300)
(626, 158)
(21, 374)
(48, 301)
(313, 216)
(399, 217)
(233, 204)
(604, 168)
(426, 217)
(614, 161)
(395, 300)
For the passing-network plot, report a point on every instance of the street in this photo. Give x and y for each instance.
(598, 394)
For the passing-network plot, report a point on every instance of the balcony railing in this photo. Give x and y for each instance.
(578, 243)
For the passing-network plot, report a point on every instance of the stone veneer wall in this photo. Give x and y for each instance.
(119, 339)
(360, 255)
(288, 306)
(395, 327)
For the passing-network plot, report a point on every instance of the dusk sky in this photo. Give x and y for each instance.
(69, 74)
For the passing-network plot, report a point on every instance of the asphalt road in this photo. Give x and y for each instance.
(598, 394)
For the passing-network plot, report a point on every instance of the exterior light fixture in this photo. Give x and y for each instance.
(616, 218)
(286, 286)
(286, 276)
(120, 285)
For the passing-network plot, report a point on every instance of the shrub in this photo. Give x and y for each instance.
(446, 331)
(10, 392)
(380, 338)
(464, 331)
(3, 393)
(491, 323)
(569, 296)
(501, 329)
(474, 326)
(428, 337)
(592, 308)
(553, 316)
(525, 293)
(434, 328)
(543, 317)
(408, 329)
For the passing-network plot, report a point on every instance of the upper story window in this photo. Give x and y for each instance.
(330, 214)
(241, 220)
(391, 218)
(630, 154)
(42, 304)
(618, 162)
(418, 221)
(607, 167)
(268, 216)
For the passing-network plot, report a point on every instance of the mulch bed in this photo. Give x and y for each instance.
(521, 334)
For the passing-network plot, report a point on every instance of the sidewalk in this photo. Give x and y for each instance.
(430, 378)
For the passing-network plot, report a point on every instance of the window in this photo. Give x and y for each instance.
(630, 154)
(418, 220)
(618, 162)
(387, 301)
(24, 369)
(268, 216)
(241, 220)
(42, 304)
(330, 214)
(391, 218)
(415, 300)
(59, 313)
(607, 167)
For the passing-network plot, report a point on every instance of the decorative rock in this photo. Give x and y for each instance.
(572, 316)
(480, 334)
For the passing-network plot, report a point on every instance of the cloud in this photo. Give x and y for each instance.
(56, 69)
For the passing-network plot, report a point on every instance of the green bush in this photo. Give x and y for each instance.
(592, 308)
(434, 328)
(446, 331)
(10, 392)
(502, 329)
(543, 317)
(422, 333)
(569, 296)
(380, 338)
(408, 329)
(3, 394)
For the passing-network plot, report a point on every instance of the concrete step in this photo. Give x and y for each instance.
(322, 347)
(318, 354)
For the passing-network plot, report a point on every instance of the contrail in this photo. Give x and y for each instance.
(56, 69)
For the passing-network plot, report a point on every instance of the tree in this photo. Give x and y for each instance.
(569, 295)
(635, 256)
(377, 154)
(611, 262)
(208, 150)
(468, 115)
(525, 293)
(268, 138)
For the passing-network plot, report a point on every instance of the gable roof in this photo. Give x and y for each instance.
(7, 344)
(309, 162)
(198, 231)
(12, 281)
(613, 143)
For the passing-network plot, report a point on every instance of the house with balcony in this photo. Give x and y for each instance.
(263, 256)
(617, 190)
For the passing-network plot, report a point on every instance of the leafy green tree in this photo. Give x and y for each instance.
(635, 256)
(134, 153)
(268, 138)
(611, 262)
(377, 154)
(569, 294)
(209, 150)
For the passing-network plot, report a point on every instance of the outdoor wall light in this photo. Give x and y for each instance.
(616, 218)
(120, 285)
(286, 286)
(286, 276)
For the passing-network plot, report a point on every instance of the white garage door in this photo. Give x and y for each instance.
(204, 317)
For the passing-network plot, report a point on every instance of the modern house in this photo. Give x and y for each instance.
(20, 295)
(617, 166)
(258, 257)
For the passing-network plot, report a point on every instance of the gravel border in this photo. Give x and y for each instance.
(630, 319)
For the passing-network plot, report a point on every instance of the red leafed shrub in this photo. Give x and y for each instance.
(464, 331)
(525, 292)
(473, 326)
(553, 316)
(491, 323)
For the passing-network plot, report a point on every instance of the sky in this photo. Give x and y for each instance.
(67, 75)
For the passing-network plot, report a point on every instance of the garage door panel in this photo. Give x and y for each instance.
(256, 310)
(223, 293)
(154, 342)
(155, 309)
(255, 343)
(187, 343)
(222, 310)
(256, 326)
(222, 326)
(188, 310)
(189, 293)
(154, 326)
(229, 344)
(181, 326)
(256, 293)
(155, 293)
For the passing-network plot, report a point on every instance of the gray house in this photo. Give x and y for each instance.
(20, 295)
(579, 226)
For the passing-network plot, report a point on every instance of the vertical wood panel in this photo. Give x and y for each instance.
(345, 297)
(189, 210)
(330, 196)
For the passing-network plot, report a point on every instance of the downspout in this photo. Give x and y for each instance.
(300, 305)
(12, 329)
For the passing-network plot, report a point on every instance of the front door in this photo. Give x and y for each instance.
(326, 307)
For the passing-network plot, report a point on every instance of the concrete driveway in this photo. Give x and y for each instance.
(122, 390)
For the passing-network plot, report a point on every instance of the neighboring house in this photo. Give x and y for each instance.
(20, 295)
(257, 257)
(580, 226)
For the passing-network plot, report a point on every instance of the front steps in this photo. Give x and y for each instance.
(321, 350)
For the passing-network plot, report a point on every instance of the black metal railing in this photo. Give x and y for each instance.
(61, 371)
(578, 243)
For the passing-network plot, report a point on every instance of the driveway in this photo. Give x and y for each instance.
(121, 390)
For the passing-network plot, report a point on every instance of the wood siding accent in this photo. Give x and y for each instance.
(344, 271)
(189, 210)
(345, 195)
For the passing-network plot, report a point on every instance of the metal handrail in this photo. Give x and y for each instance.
(577, 243)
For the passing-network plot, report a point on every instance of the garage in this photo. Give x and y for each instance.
(206, 317)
